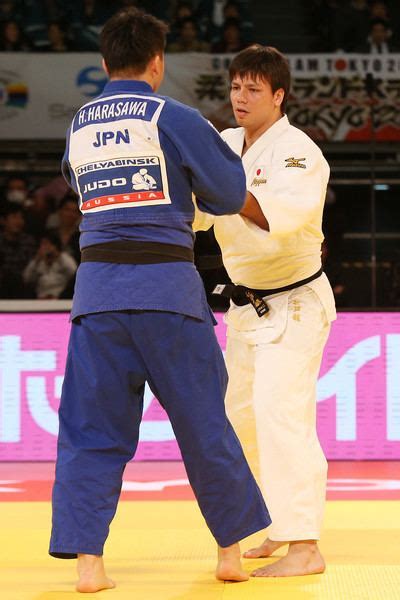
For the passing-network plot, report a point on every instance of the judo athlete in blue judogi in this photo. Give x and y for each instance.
(139, 311)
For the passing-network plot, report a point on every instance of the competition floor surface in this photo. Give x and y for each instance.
(160, 549)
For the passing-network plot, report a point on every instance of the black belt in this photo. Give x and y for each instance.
(132, 252)
(241, 295)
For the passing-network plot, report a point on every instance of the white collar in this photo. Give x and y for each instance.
(265, 139)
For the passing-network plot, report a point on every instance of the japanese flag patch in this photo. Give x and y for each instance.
(259, 177)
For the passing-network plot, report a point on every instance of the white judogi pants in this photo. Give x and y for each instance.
(271, 403)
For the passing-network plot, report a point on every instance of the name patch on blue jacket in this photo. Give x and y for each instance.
(108, 110)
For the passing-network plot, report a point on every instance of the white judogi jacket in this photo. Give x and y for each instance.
(288, 175)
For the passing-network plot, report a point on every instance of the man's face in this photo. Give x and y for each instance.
(188, 32)
(14, 223)
(17, 190)
(378, 33)
(253, 102)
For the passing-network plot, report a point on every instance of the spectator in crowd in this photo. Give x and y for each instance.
(16, 249)
(42, 202)
(87, 18)
(52, 192)
(57, 38)
(188, 39)
(12, 38)
(231, 40)
(378, 40)
(213, 14)
(51, 270)
(379, 10)
(241, 14)
(9, 10)
(16, 190)
(35, 14)
(65, 222)
(183, 11)
(36, 214)
(351, 25)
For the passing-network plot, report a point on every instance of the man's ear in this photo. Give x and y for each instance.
(103, 64)
(279, 96)
(157, 64)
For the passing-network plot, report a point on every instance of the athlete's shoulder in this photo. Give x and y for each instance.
(180, 120)
(232, 133)
(295, 135)
(175, 108)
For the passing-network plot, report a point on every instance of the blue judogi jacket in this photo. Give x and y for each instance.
(135, 159)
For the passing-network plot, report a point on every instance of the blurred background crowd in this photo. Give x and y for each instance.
(208, 25)
(39, 217)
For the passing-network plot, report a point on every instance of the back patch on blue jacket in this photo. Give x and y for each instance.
(136, 179)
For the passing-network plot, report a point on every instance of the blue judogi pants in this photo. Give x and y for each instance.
(111, 355)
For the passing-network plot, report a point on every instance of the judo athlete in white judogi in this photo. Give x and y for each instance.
(275, 341)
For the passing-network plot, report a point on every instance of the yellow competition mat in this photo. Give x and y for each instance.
(163, 551)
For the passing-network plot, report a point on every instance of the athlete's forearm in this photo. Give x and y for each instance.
(252, 211)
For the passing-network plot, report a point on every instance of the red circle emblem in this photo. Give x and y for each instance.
(340, 64)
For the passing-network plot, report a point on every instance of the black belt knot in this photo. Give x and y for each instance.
(242, 295)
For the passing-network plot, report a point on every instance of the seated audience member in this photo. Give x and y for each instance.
(188, 39)
(65, 223)
(87, 18)
(52, 192)
(16, 250)
(9, 10)
(213, 14)
(379, 10)
(183, 11)
(51, 270)
(16, 190)
(231, 40)
(36, 213)
(42, 202)
(378, 40)
(57, 38)
(35, 15)
(12, 38)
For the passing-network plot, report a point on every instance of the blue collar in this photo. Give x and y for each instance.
(122, 86)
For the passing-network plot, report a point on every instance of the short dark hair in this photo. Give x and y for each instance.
(263, 62)
(130, 39)
(187, 20)
(10, 208)
(53, 237)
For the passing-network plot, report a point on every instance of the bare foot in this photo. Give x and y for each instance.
(303, 558)
(92, 576)
(229, 567)
(267, 548)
